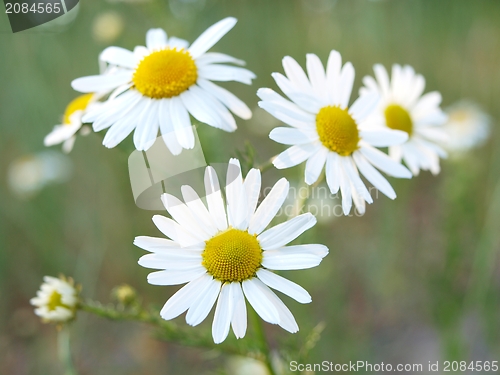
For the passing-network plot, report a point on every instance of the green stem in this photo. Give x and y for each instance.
(259, 331)
(64, 350)
(169, 331)
(266, 165)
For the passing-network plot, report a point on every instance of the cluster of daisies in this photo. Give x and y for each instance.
(218, 244)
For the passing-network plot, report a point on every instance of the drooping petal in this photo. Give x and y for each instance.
(256, 294)
(223, 314)
(283, 285)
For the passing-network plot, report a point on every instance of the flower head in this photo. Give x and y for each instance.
(56, 300)
(468, 126)
(72, 123)
(225, 253)
(158, 86)
(403, 107)
(329, 134)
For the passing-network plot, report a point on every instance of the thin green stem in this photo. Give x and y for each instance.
(64, 350)
(169, 331)
(259, 331)
(266, 165)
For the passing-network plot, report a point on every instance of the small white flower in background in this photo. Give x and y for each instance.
(246, 366)
(327, 133)
(225, 253)
(28, 174)
(107, 27)
(156, 88)
(468, 126)
(56, 300)
(71, 124)
(404, 108)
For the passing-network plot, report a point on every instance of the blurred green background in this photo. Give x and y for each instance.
(414, 280)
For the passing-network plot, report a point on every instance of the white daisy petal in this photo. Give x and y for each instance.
(147, 126)
(345, 189)
(167, 128)
(288, 116)
(382, 78)
(239, 318)
(236, 197)
(118, 56)
(156, 39)
(287, 321)
(154, 243)
(198, 209)
(269, 207)
(180, 260)
(288, 136)
(173, 230)
(200, 308)
(178, 43)
(214, 199)
(425, 104)
(346, 83)
(184, 297)
(372, 175)
(296, 75)
(315, 165)
(276, 260)
(384, 137)
(364, 106)
(384, 162)
(332, 172)
(284, 286)
(316, 74)
(234, 104)
(286, 232)
(101, 83)
(175, 277)
(311, 249)
(252, 185)
(181, 123)
(122, 128)
(211, 36)
(304, 100)
(352, 175)
(223, 314)
(333, 67)
(225, 73)
(182, 215)
(295, 155)
(279, 105)
(257, 295)
(217, 58)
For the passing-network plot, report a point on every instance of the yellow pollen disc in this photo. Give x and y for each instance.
(233, 255)
(337, 130)
(55, 301)
(78, 104)
(398, 118)
(165, 73)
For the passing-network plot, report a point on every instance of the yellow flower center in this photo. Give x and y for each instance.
(55, 301)
(233, 255)
(165, 73)
(337, 130)
(78, 104)
(398, 118)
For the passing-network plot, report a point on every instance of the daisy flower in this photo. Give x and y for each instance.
(71, 124)
(56, 300)
(404, 108)
(156, 88)
(329, 134)
(225, 253)
(468, 126)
